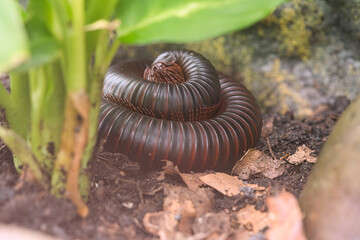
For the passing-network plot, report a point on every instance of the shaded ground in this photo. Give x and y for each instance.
(122, 193)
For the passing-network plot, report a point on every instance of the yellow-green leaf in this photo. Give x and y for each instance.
(13, 43)
(19, 147)
(146, 21)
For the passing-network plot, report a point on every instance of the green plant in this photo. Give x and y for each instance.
(57, 52)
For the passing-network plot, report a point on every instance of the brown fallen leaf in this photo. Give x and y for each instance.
(239, 225)
(252, 220)
(170, 168)
(218, 226)
(160, 224)
(190, 179)
(226, 184)
(255, 162)
(181, 207)
(202, 200)
(213, 224)
(286, 218)
(302, 154)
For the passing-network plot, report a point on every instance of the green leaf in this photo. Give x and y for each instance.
(53, 14)
(43, 45)
(5, 100)
(99, 9)
(19, 147)
(13, 43)
(146, 21)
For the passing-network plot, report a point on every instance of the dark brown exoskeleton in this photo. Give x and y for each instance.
(177, 108)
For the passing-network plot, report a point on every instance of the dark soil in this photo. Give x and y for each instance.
(121, 193)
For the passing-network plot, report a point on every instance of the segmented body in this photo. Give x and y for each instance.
(206, 122)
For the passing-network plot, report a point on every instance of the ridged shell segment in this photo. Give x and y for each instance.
(214, 143)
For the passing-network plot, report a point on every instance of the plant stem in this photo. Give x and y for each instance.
(81, 109)
(76, 122)
(47, 100)
(75, 50)
(5, 100)
(102, 61)
(38, 87)
(22, 150)
(19, 116)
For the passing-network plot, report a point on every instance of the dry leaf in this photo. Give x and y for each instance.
(213, 224)
(226, 184)
(160, 223)
(190, 179)
(254, 162)
(252, 220)
(302, 154)
(218, 226)
(170, 168)
(203, 200)
(181, 207)
(286, 218)
(243, 235)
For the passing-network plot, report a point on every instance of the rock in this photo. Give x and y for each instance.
(330, 199)
(348, 15)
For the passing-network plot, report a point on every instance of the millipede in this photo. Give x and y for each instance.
(178, 108)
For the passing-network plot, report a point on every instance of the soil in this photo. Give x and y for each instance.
(122, 193)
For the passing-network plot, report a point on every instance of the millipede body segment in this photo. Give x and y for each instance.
(180, 109)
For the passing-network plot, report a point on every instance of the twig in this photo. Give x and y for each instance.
(141, 200)
(140, 193)
(286, 155)
(271, 151)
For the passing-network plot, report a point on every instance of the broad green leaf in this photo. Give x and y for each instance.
(44, 11)
(5, 100)
(146, 21)
(99, 9)
(44, 22)
(13, 44)
(43, 45)
(53, 14)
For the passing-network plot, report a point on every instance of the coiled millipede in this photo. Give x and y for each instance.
(180, 109)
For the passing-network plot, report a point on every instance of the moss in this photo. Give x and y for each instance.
(215, 50)
(231, 54)
(295, 23)
(348, 12)
(278, 95)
